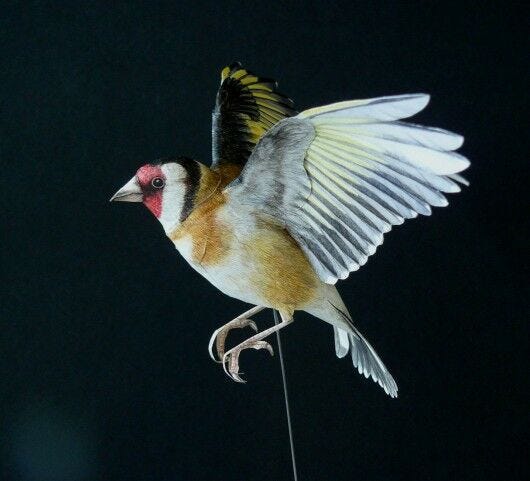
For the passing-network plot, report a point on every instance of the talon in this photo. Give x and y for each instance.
(225, 361)
(262, 345)
(231, 365)
(219, 336)
(231, 358)
(237, 378)
(210, 345)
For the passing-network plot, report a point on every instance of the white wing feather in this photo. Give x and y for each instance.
(340, 176)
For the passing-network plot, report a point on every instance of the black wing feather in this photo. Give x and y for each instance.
(246, 107)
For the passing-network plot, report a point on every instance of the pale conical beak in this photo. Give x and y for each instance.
(130, 192)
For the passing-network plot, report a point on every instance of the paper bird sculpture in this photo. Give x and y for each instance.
(293, 202)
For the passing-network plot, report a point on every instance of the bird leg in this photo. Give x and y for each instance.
(231, 357)
(219, 336)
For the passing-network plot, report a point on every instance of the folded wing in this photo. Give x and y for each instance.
(339, 177)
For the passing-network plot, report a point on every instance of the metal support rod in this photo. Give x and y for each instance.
(286, 397)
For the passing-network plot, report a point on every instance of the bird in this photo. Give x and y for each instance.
(295, 201)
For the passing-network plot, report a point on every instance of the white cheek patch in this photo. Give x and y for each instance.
(174, 172)
(173, 195)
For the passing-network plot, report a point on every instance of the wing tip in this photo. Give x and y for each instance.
(459, 140)
(425, 98)
(392, 391)
(229, 69)
(460, 179)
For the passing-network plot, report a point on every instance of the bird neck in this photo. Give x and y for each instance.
(201, 186)
(209, 183)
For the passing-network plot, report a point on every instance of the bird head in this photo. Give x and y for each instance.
(167, 189)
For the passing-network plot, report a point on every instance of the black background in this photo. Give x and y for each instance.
(104, 373)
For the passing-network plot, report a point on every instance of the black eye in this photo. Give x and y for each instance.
(157, 182)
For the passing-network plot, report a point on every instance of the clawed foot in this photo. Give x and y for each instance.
(219, 336)
(231, 357)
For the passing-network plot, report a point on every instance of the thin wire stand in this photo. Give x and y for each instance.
(286, 397)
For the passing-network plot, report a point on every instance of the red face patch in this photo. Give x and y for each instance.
(152, 181)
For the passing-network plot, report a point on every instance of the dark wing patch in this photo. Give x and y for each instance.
(246, 107)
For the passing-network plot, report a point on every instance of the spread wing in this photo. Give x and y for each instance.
(246, 107)
(339, 177)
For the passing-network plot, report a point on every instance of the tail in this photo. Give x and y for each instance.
(364, 357)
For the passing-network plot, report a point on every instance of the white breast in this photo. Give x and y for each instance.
(229, 276)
